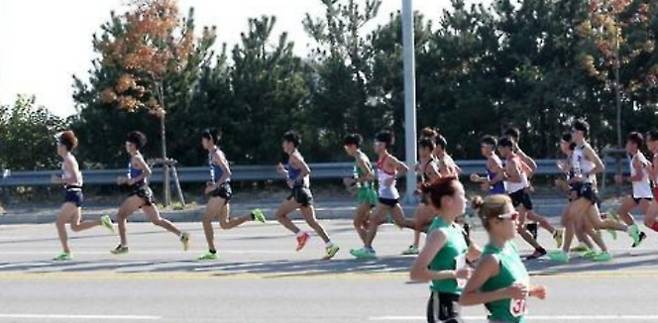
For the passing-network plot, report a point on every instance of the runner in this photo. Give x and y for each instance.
(642, 195)
(297, 174)
(71, 209)
(583, 225)
(517, 183)
(429, 171)
(219, 192)
(494, 182)
(530, 166)
(140, 196)
(447, 252)
(388, 169)
(586, 164)
(651, 217)
(366, 195)
(500, 281)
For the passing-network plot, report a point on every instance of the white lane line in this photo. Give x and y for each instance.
(609, 318)
(81, 317)
(144, 252)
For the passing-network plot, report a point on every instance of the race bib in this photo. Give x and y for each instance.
(460, 263)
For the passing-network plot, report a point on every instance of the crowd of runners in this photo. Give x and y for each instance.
(461, 272)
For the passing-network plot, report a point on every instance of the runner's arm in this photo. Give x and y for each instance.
(420, 269)
(591, 155)
(471, 295)
(217, 158)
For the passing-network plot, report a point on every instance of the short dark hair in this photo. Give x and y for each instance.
(426, 143)
(137, 138)
(428, 132)
(386, 137)
(440, 187)
(353, 139)
(581, 125)
(293, 137)
(211, 134)
(567, 137)
(441, 141)
(489, 140)
(636, 138)
(68, 139)
(506, 142)
(652, 135)
(513, 132)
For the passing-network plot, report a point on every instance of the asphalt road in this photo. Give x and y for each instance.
(260, 278)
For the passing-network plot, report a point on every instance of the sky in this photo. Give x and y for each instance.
(44, 42)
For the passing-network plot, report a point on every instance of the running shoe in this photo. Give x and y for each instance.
(639, 241)
(540, 252)
(363, 253)
(558, 236)
(208, 256)
(331, 251)
(580, 248)
(64, 256)
(119, 250)
(257, 215)
(602, 256)
(590, 254)
(302, 240)
(106, 221)
(185, 240)
(558, 256)
(412, 250)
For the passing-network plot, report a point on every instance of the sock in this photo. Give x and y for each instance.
(654, 227)
(329, 244)
(300, 233)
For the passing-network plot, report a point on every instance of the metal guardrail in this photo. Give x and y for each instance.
(247, 173)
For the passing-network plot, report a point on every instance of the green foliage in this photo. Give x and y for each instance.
(27, 136)
(480, 68)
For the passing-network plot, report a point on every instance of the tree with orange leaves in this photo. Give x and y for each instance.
(144, 53)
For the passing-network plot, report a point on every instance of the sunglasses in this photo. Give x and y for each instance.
(513, 216)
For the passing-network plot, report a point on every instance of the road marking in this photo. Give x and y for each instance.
(150, 273)
(80, 317)
(609, 318)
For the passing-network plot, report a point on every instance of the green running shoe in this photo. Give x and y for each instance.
(257, 215)
(64, 256)
(580, 248)
(589, 254)
(119, 250)
(642, 236)
(209, 256)
(602, 256)
(363, 254)
(331, 251)
(106, 221)
(412, 250)
(558, 256)
(185, 240)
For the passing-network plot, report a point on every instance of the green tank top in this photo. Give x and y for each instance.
(452, 255)
(512, 270)
(358, 172)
